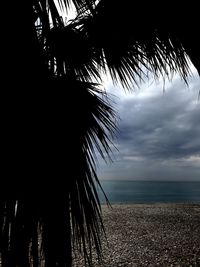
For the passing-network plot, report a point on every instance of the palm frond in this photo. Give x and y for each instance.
(40, 225)
(64, 5)
(128, 46)
(124, 46)
(87, 129)
(69, 57)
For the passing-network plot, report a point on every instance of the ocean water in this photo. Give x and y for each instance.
(150, 192)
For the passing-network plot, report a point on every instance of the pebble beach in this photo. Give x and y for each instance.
(149, 235)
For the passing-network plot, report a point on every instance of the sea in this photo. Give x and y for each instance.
(121, 191)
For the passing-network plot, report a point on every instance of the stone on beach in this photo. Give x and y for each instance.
(150, 235)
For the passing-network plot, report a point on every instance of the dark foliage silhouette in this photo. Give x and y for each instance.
(55, 117)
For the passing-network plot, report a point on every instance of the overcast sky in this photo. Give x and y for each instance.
(159, 132)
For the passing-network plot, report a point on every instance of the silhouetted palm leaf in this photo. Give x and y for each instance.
(118, 44)
(69, 56)
(46, 213)
(128, 47)
(94, 117)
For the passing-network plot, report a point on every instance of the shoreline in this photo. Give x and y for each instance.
(150, 234)
(189, 203)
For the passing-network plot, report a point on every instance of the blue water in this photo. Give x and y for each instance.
(150, 192)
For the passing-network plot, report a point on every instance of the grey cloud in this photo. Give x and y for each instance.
(158, 132)
(163, 127)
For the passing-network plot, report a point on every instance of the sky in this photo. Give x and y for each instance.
(159, 132)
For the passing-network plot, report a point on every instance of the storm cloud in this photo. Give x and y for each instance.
(159, 132)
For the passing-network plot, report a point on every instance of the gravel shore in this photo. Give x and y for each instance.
(150, 235)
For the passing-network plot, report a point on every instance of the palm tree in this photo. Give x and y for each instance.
(58, 117)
